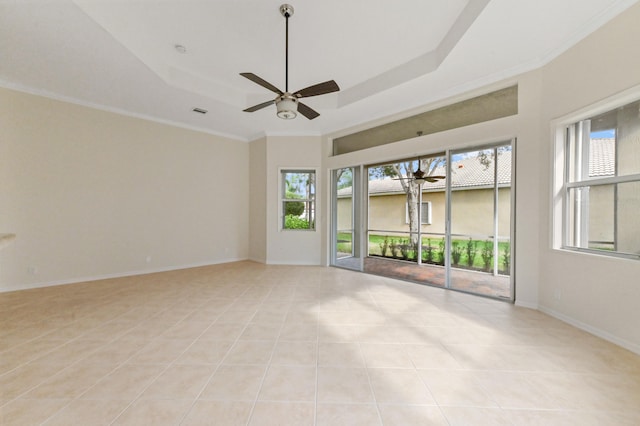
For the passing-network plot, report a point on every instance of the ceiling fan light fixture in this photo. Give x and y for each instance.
(287, 106)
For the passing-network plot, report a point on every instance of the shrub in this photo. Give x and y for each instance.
(487, 255)
(384, 246)
(394, 247)
(441, 251)
(471, 249)
(456, 253)
(506, 257)
(404, 249)
(428, 252)
(293, 208)
(295, 222)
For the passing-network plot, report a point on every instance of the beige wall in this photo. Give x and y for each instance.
(258, 200)
(598, 293)
(93, 194)
(294, 247)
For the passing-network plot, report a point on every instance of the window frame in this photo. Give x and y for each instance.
(429, 213)
(311, 201)
(563, 183)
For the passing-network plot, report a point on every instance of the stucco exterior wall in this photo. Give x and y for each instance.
(471, 212)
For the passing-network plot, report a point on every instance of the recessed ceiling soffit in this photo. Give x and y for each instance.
(147, 36)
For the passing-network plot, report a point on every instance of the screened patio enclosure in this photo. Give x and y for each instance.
(453, 231)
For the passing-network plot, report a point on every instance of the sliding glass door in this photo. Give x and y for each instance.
(480, 187)
(441, 219)
(406, 219)
(345, 235)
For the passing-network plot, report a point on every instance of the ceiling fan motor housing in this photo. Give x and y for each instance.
(287, 106)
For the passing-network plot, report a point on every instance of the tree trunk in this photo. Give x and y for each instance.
(413, 198)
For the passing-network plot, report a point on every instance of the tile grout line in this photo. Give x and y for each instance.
(315, 410)
(268, 366)
(136, 398)
(215, 370)
(67, 368)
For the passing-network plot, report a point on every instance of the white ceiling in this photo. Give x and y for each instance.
(387, 57)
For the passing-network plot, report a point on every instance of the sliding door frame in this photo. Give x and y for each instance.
(360, 212)
(512, 216)
(357, 240)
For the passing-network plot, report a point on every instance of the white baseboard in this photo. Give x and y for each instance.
(43, 284)
(301, 263)
(633, 347)
(526, 304)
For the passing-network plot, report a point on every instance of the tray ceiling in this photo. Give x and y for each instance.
(387, 57)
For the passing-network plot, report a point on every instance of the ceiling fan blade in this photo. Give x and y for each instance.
(307, 111)
(318, 89)
(259, 106)
(427, 178)
(251, 76)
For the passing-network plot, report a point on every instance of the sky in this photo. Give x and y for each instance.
(603, 134)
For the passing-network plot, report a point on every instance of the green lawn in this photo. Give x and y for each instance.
(376, 242)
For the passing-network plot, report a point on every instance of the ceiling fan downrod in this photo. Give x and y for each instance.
(287, 11)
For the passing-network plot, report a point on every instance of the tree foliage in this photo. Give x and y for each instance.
(294, 208)
(295, 222)
(344, 178)
(404, 172)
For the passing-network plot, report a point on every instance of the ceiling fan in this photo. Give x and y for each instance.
(287, 103)
(419, 177)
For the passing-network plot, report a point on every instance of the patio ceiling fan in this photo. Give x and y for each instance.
(420, 177)
(287, 103)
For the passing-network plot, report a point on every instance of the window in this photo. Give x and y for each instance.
(601, 184)
(425, 213)
(298, 193)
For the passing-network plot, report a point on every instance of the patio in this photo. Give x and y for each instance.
(475, 282)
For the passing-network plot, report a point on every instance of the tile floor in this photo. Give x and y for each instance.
(250, 344)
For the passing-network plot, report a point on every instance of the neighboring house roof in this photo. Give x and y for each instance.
(466, 173)
(602, 157)
(470, 173)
